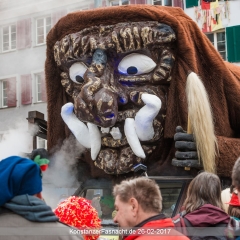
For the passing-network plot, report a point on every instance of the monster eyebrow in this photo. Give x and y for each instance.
(123, 37)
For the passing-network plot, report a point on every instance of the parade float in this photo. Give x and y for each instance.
(145, 92)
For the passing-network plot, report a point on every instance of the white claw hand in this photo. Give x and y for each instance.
(145, 116)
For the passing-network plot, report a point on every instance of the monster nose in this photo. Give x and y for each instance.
(107, 107)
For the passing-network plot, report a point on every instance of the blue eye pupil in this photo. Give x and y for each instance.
(132, 70)
(79, 79)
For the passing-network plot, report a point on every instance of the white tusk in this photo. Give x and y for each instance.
(78, 128)
(95, 137)
(145, 116)
(131, 135)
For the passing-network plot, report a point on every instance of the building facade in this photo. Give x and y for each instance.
(24, 25)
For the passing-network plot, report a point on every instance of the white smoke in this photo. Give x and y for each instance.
(60, 179)
(62, 171)
(17, 140)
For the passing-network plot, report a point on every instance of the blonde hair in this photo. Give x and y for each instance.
(201, 121)
(205, 188)
(144, 190)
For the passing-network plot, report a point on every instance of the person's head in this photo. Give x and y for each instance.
(19, 176)
(236, 176)
(107, 205)
(234, 206)
(205, 188)
(136, 200)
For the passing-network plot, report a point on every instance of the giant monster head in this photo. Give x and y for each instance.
(117, 77)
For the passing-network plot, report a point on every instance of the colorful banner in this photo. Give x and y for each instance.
(211, 14)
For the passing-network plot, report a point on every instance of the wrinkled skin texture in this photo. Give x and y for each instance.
(105, 96)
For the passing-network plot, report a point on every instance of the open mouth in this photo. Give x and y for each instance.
(115, 137)
(129, 142)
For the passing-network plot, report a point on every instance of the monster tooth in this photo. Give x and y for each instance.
(105, 130)
(131, 135)
(95, 138)
(145, 116)
(116, 134)
(78, 128)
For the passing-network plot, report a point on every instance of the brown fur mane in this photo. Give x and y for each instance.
(195, 53)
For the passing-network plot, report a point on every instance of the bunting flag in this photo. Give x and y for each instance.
(211, 16)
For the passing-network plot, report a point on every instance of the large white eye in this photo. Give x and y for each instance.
(136, 64)
(77, 71)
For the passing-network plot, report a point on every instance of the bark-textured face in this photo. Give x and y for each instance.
(118, 76)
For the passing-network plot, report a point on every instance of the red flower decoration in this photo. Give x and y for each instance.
(79, 213)
(44, 167)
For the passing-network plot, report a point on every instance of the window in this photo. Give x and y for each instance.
(43, 26)
(218, 41)
(4, 93)
(9, 38)
(162, 2)
(8, 92)
(98, 3)
(157, 2)
(119, 2)
(41, 143)
(40, 89)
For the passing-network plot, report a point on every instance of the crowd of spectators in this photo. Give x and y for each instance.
(137, 203)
